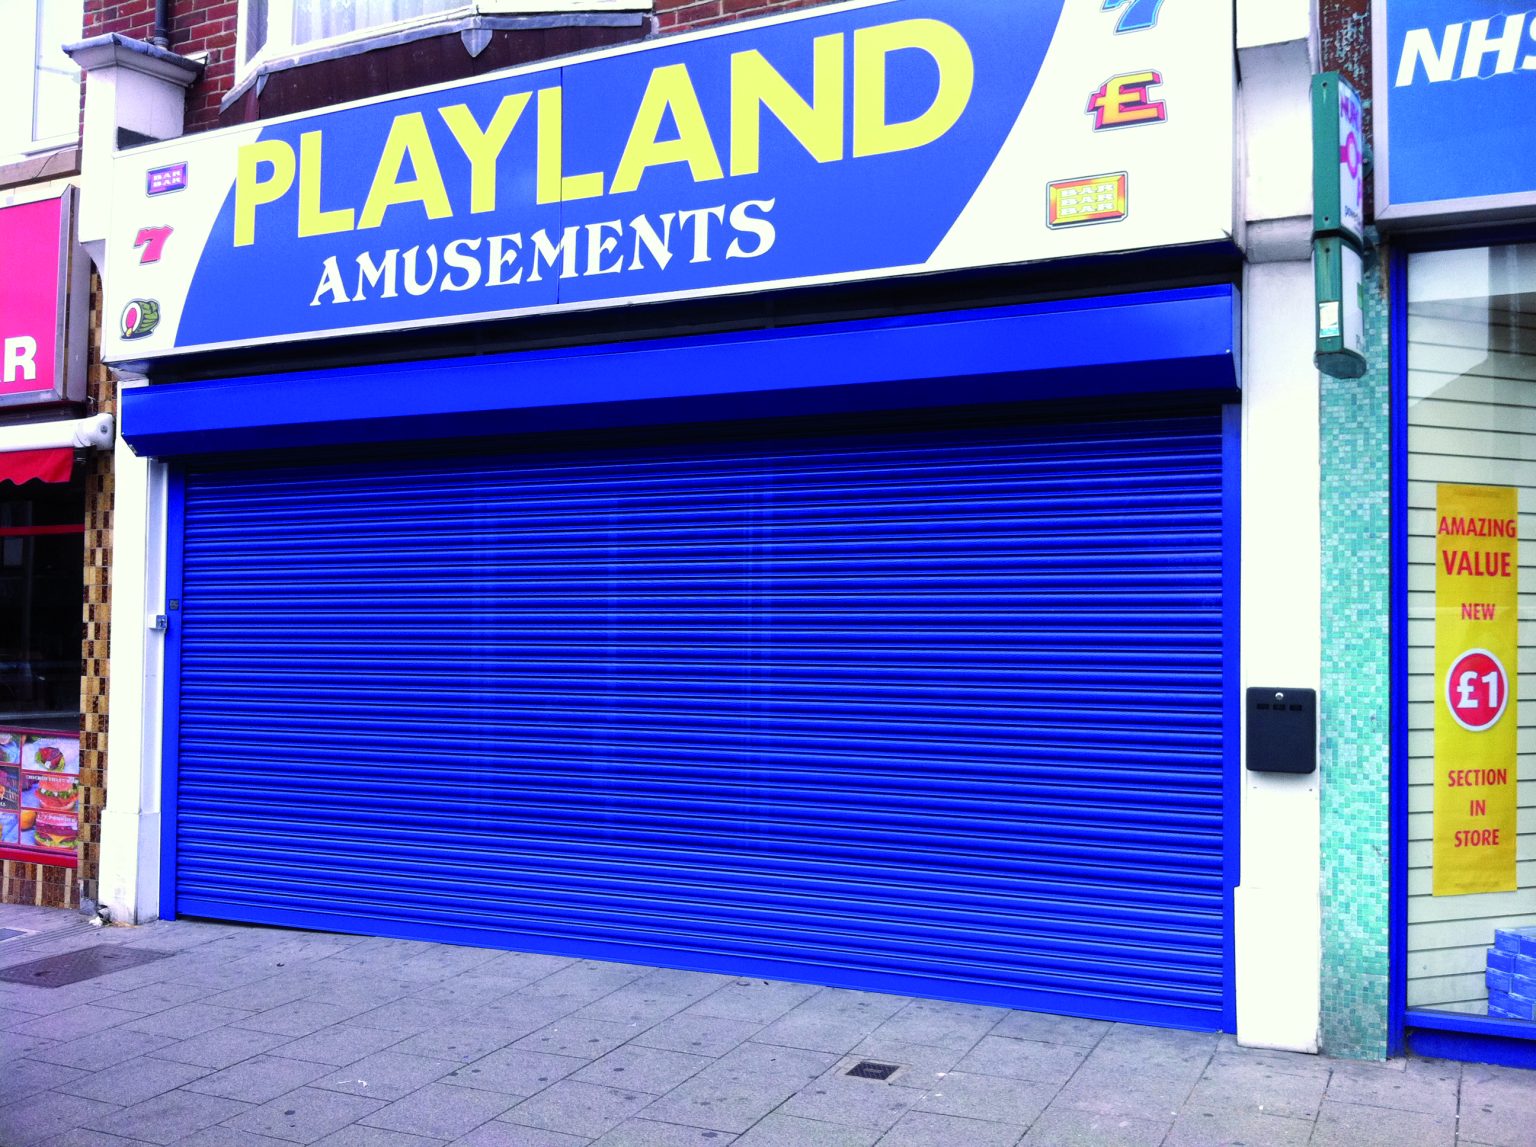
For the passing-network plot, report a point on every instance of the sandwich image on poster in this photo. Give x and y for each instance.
(52, 754)
(53, 830)
(10, 749)
(54, 792)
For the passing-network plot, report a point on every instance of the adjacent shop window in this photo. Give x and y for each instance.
(1472, 631)
(42, 538)
(288, 27)
(39, 85)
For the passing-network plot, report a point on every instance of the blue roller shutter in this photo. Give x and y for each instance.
(934, 711)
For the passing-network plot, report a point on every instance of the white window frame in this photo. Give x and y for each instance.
(35, 144)
(280, 16)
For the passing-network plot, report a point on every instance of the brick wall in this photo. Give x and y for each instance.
(199, 26)
(681, 15)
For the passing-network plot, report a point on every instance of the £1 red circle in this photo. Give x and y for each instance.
(1477, 690)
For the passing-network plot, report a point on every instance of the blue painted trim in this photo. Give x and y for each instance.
(1165, 342)
(170, 700)
(1472, 1039)
(1231, 644)
(1397, 908)
(1430, 1020)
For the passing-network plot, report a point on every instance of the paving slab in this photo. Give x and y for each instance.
(158, 996)
(867, 1103)
(1224, 1128)
(1004, 1100)
(651, 1069)
(387, 1075)
(1498, 1106)
(928, 1129)
(499, 1134)
(741, 1087)
(787, 1131)
(585, 1039)
(1023, 1059)
(1374, 1085)
(298, 1018)
(84, 1137)
(48, 1113)
(92, 1053)
(339, 1045)
(759, 1001)
(80, 1021)
(258, 1079)
(644, 1133)
(832, 1020)
(1357, 1125)
(939, 1024)
(440, 1111)
(1065, 1127)
(359, 1136)
(1052, 1029)
(1231, 1084)
(700, 1035)
(133, 1080)
(587, 1109)
(20, 1078)
(304, 1115)
(187, 1020)
(166, 1118)
(221, 1047)
(462, 1043)
(515, 1071)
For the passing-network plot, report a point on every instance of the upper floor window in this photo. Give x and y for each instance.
(276, 28)
(39, 84)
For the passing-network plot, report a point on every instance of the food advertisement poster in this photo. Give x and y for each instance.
(1477, 568)
(39, 796)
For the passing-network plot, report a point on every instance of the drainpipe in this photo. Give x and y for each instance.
(162, 36)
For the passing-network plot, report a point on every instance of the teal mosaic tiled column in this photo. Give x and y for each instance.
(1355, 700)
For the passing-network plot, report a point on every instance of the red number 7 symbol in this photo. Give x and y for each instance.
(152, 239)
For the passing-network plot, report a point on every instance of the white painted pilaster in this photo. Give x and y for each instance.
(130, 822)
(134, 90)
(1279, 922)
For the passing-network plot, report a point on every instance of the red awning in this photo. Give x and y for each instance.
(51, 465)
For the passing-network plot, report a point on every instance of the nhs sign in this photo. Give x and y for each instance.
(1455, 81)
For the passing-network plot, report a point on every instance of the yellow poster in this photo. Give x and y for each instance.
(1477, 569)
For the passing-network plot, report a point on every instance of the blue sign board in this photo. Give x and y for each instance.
(874, 138)
(1455, 84)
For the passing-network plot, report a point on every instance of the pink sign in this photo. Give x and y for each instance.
(31, 300)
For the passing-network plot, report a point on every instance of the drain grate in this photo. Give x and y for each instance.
(869, 1069)
(76, 967)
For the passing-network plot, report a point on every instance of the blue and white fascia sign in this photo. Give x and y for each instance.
(1455, 82)
(869, 139)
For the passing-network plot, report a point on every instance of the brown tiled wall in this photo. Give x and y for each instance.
(99, 487)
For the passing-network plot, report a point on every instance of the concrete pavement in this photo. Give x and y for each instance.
(256, 1037)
